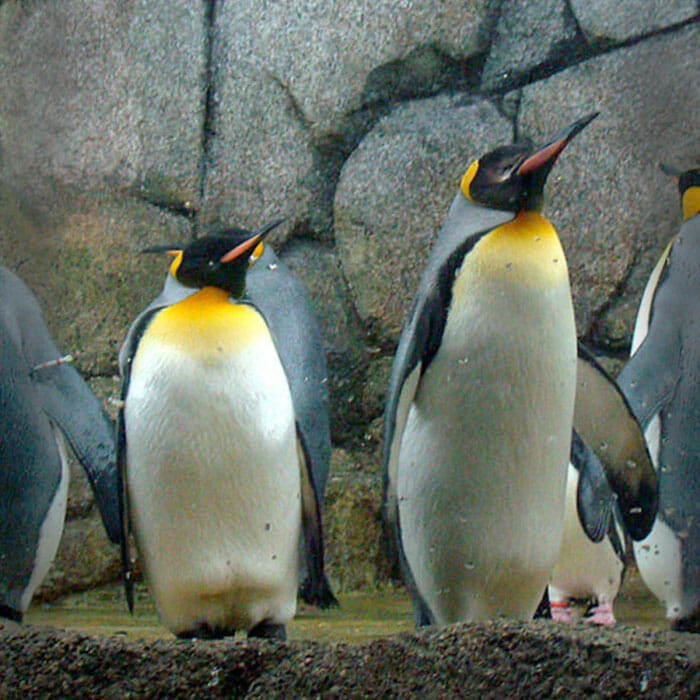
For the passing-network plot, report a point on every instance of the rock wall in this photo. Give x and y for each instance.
(126, 124)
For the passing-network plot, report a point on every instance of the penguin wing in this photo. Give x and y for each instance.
(465, 223)
(70, 403)
(594, 497)
(284, 303)
(315, 589)
(651, 377)
(63, 396)
(605, 422)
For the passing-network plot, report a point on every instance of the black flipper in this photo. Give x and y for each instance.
(605, 422)
(316, 588)
(594, 497)
(69, 402)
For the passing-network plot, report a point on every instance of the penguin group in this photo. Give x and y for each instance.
(515, 470)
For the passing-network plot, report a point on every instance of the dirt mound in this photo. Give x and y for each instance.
(498, 659)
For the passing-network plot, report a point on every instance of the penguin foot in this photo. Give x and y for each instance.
(601, 614)
(691, 623)
(318, 594)
(268, 630)
(205, 631)
(560, 612)
(10, 614)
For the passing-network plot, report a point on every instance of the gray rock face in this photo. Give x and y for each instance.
(261, 160)
(325, 52)
(99, 95)
(393, 193)
(612, 206)
(527, 36)
(611, 19)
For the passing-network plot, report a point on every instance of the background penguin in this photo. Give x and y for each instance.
(42, 399)
(276, 291)
(235, 515)
(481, 397)
(607, 441)
(662, 383)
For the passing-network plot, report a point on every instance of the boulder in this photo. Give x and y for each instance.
(617, 21)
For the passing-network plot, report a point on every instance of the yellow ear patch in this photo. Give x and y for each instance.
(175, 264)
(256, 254)
(690, 202)
(468, 177)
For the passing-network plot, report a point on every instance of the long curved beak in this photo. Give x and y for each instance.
(553, 146)
(250, 243)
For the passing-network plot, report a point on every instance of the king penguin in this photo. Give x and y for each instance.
(216, 484)
(481, 397)
(44, 403)
(284, 302)
(662, 382)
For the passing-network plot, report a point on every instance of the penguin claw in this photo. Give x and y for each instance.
(601, 615)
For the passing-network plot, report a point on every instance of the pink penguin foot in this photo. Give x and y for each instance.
(560, 612)
(601, 615)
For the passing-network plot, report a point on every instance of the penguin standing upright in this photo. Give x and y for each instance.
(276, 291)
(662, 383)
(481, 397)
(42, 401)
(216, 477)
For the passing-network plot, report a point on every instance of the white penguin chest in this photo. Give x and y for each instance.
(213, 471)
(482, 463)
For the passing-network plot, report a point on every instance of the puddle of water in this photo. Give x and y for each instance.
(360, 617)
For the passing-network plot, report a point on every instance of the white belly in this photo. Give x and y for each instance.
(52, 527)
(658, 558)
(214, 485)
(583, 568)
(482, 465)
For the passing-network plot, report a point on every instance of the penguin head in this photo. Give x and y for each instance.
(689, 187)
(512, 177)
(217, 260)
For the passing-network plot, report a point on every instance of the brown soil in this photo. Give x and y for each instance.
(494, 660)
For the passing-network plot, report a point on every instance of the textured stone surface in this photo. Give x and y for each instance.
(326, 52)
(528, 35)
(612, 19)
(94, 96)
(86, 269)
(614, 209)
(97, 109)
(261, 160)
(393, 194)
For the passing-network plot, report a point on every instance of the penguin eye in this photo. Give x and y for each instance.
(211, 263)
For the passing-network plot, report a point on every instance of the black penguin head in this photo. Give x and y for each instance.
(689, 187)
(512, 177)
(217, 260)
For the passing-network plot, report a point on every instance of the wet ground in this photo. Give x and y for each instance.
(87, 646)
(360, 617)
